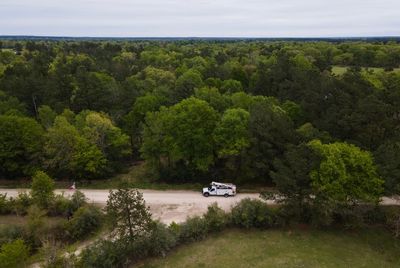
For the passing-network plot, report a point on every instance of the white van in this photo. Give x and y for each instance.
(222, 189)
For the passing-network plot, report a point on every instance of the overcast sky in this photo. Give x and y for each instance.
(201, 18)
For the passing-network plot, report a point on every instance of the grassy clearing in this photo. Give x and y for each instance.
(340, 70)
(287, 248)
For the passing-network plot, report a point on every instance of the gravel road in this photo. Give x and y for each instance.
(169, 206)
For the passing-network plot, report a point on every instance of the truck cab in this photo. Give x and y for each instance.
(219, 189)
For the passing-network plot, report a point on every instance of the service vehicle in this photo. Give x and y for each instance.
(220, 189)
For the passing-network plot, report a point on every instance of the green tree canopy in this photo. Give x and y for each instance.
(346, 174)
(21, 140)
(231, 133)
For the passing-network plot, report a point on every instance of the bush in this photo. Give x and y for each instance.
(36, 227)
(393, 220)
(105, 253)
(250, 213)
(5, 204)
(162, 239)
(42, 189)
(9, 233)
(120, 252)
(60, 206)
(78, 199)
(193, 229)
(215, 217)
(21, 203)
(85, 221)
(14, 254)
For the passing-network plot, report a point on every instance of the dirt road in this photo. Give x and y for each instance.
(169, 206)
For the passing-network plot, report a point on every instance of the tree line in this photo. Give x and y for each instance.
(247, 111)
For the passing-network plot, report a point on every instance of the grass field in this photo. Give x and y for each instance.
(285, 248)
(339, 70)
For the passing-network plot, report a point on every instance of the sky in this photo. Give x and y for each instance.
(201, 18)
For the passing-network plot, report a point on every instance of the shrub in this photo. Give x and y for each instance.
(393, 220)
(21, 203)
(60, 206)
(162, 239)
(42, 189)
(5, 204)
(9, 233)
(78, 199)
(14, 254)
(105, 253)
(36, 226)
(85, 221)
(215, 217)
(249, 213)
(193, 229)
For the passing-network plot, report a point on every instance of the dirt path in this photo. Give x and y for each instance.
(169, 206)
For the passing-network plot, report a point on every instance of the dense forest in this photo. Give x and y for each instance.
(252, 112)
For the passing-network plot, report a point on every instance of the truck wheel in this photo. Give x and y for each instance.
(206, 194)
(226, 195)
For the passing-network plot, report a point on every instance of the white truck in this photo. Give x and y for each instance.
(221, 189)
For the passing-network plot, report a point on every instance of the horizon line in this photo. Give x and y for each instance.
(199, 37)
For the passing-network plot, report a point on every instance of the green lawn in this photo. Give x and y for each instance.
(285, 248)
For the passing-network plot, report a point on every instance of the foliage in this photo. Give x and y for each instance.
(127, 213)
(215, 218)
(42, 189)
(84, 222)
(5, 204)
(231, 133)
(20, 145)
(14, 254)
(100, 103)
(346, 174)
(252, 213)
(181, 133)
(193, 229)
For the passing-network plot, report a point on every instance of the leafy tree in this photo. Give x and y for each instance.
(128, 214)
(388, 161)
(231, 133)
(271, 131)
(46, 116)
(186, 83)
(11, 105)
(87, 161)
(346, 174)
(134, 120)
(14, 254)
(94, 91)
(42, 189)
(68, 153)
(21, 140)
(98, 129)
(211, 95)
(231, 86)
(185, 134)
(61, 142)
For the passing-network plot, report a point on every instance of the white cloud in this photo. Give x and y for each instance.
(240, 18)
